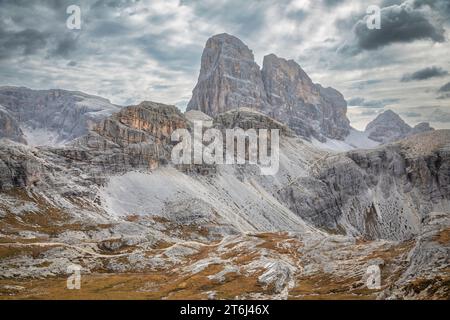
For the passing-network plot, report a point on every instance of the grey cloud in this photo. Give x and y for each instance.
(364, 84)
(361, 102)
(426, 73)
(65, 47)
(238, 17)
(441, 6)
(439, 115)
(399, 24)
(445, 88)
(332, 3)
(109, 29)
(369, 113)
(411, 114)
(25, 42)
(445, 92)
(185, 57)
(141, 45)
(355, 101)
(388, 3)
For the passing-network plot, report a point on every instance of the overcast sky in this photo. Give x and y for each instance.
(129, 51)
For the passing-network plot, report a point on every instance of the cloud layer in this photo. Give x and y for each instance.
(424, 74)
(133, 50)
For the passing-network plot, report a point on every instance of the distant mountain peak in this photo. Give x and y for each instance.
(389, 126)
(52, 117)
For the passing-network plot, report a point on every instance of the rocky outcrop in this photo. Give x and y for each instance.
(249, 119)
(9, 128)
(59, 114)
(421, 127)
(229, 79)
(389, 127)
(385, 192)
(19, 166)
(148, 121)
(136, 137)
(308, 108)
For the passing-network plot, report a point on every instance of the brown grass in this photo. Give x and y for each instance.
(443, 237)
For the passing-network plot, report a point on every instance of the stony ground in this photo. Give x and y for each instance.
(241, 266)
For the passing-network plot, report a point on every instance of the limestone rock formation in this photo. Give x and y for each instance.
(136, 137)
(49, 117)
(421, 127)
(229, 79)
(9, 128)
(308, 108)
(245, 119)
(387, 192)
(389, 127)
(113, 201)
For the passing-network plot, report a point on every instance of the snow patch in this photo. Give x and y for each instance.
(41, 137)
(355, 140)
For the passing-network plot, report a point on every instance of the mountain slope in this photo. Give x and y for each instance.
(112, 202)
(50, 117)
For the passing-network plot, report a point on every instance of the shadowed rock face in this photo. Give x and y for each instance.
(9, 128)
(229, 79)
(308, 108)
(387, 192)
(137, 137)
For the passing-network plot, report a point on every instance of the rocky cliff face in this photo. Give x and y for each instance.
(308, 108)
(137, 137)
(229, 79)
(388, 192)
(421, 127)
(389, 127)
(54, 116)
(9, 128)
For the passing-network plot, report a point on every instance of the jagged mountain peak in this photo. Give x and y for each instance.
(388, 115)
(229, 45)
(230, 79)
(272, 60)
(389, 126)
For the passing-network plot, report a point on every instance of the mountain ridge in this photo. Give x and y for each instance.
(230, 78)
